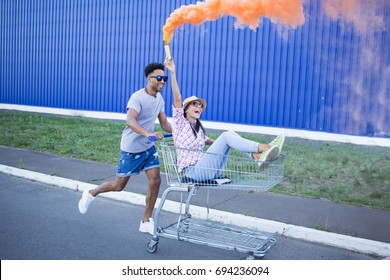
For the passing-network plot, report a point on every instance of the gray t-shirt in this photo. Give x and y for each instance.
(148, 108)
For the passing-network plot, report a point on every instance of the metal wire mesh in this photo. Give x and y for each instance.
(242, 172)
(221, 235)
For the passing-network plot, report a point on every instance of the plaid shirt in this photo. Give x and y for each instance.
(184, 138)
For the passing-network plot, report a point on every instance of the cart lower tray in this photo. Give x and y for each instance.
(220, 235)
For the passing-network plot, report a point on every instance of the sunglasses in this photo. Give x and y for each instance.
(160, 78)
(197, 104)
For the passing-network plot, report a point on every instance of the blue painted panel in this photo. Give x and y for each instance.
(90, 55)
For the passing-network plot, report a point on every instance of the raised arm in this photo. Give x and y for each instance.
(170, 65)
(164, 123)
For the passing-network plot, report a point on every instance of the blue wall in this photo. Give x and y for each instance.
(90, 55)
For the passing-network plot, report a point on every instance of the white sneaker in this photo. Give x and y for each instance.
(268, 155)
(84, 202)
(147, 227)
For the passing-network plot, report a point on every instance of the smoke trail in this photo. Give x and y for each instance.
(362, 14)
(368, 83)
(247, 12)
(367, 88)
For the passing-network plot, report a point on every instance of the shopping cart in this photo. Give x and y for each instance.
(239, 173)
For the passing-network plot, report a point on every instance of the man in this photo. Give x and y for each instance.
(137, 153)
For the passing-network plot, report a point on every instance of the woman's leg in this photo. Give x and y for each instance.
(231, 139)
(212, 163)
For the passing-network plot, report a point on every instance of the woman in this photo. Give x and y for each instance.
(190, 139)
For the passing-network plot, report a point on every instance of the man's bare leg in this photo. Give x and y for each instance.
(114, 186)
(88, 196)
(152, 194)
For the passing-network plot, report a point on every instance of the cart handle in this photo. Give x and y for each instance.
(154, 138)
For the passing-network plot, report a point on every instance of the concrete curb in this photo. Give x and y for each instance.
(360, 245)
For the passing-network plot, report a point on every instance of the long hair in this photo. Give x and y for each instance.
(198, 124)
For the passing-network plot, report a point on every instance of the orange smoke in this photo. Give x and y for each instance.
(362, 14)
(247, 12)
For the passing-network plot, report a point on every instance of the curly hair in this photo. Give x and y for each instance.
(153, 66)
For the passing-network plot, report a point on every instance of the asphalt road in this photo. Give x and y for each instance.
(42, 222)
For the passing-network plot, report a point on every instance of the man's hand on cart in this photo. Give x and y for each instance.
(158, 136)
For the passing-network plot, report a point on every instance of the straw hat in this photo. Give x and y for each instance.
(194, 98)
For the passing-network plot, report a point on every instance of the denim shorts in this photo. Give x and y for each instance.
(132, 164)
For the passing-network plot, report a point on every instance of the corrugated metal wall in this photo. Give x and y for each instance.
(90, 55)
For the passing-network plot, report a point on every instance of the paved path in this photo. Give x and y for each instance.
(360, 229)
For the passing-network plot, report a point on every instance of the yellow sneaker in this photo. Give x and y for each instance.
(268, 155)
(278, 142)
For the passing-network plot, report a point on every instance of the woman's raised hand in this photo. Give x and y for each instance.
(170, 65)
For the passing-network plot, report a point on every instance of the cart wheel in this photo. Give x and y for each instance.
(151, 246)
(250, 258)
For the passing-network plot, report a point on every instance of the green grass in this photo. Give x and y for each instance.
(72, 137)
(345, 173)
